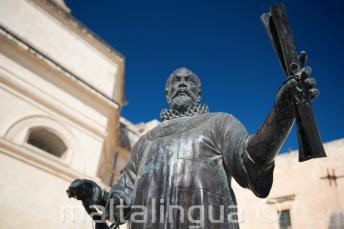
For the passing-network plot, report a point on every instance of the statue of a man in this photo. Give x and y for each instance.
(180, 172)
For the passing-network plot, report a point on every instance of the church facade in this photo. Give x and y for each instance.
(61, 90)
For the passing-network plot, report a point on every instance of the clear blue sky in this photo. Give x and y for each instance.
(225, 44)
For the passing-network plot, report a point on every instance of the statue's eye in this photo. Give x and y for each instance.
(176, 79)
(192, 82)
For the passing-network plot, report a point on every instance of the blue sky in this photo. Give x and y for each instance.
(224, 43)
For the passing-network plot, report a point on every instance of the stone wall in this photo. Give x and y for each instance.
(300, 188)
(60, 79)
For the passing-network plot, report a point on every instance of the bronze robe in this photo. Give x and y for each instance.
(189, 161)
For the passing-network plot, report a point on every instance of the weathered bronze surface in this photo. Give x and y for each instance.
(190, 159)
(277, 26)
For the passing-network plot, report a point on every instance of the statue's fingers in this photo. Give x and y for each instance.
(70, 193)
(291, 83)
(303, 58)
(74, 193)
(71, 189)
(79, 194)
(310, 82)
(306, 71)
(313, 93)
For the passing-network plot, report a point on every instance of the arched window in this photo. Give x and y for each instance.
(46, 140)
(44, 134)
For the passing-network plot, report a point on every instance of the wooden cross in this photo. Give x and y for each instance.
(332, 177)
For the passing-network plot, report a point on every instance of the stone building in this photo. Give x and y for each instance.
(304, 195)
(61, 90)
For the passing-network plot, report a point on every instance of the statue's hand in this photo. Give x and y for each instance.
(297, 85)
(85, 190)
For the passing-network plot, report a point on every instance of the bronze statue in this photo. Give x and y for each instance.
(179, 174)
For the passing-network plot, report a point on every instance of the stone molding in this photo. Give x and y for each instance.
(18, 133)
(41, 160)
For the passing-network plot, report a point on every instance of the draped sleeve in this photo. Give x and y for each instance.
(233, 138)
(126, 182)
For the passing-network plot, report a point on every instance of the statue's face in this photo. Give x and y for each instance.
(183, 89)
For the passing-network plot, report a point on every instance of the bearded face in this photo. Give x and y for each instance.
(183, 89)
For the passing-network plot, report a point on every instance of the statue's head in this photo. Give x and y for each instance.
(183, 89)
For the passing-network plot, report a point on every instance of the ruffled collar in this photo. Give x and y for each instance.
(169, 114)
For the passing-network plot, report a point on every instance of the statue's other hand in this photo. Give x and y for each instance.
(83, 190)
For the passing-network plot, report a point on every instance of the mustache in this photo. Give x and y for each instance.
(180, 91)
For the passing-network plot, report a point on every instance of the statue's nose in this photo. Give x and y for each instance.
(182, 85)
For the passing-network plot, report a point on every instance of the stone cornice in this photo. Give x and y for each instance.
(19, 43)
(80, 28)
(40, 160)
(76, 26)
